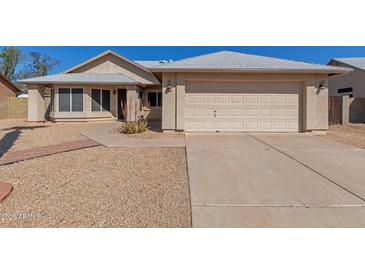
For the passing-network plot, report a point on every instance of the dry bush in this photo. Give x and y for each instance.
(134, 127)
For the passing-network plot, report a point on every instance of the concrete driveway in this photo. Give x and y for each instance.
(275, 180)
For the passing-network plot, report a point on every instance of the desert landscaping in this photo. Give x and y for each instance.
(351, 134)
(93, 187)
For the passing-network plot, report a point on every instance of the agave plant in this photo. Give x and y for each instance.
(134, 127)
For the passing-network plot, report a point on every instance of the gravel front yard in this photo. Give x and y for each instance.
(17, 135)
(99, 187)
(353, 134)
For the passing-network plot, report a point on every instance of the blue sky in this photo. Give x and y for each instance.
(70, 56)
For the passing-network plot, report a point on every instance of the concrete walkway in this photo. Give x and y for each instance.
(107, 136)
(272, 180)
(25, 154)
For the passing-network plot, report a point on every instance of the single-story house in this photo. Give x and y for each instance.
(218, 92)
(351, 84)
(7, 88)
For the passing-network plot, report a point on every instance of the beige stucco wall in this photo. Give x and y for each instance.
(313, 103)
(354, 79)
(112, 64)
(36, 103)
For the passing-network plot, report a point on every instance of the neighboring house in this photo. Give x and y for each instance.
(7, 88)
(222, 91)
(351, 84)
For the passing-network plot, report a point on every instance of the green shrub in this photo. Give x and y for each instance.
(134, 127)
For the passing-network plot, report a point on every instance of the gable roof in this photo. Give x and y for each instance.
(236, 61)
(82, 78)
(101, 55)
(9, 84)
(356, 62)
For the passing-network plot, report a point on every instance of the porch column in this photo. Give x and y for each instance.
(132, 103)
(346, 109)
(36, 103)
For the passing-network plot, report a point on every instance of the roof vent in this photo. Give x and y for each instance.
(166, 61)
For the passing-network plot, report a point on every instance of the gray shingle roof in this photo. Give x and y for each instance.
(236, 61)
(149, 64)
(81, 78)
(357, 62)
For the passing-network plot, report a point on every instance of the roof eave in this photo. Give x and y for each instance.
(78, 83)
(10, 85)
(101, 55)
(346, 64)
(336, 71)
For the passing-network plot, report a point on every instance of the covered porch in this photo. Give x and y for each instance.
(90, 97)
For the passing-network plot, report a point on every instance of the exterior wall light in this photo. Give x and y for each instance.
(168, 88)
(322, 85)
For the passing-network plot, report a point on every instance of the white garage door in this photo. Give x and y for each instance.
(242, 106)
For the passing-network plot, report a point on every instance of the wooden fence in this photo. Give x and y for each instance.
(13, 108)
(334, 110)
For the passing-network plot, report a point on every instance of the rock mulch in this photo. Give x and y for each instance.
(99, 187)
(154, 131)
(352, 134)
(17, 134)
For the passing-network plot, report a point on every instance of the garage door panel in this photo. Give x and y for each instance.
(253, 112)
(252, 125)
(279, 124)
(237, 99)
(243, 106)
(207, 112)
(280, 99)
(207, 99)
(209, 125)
(265, 125)
(193, 125)
(266, 99)
(237, 112)
(292, 112)
(293, 99)
(222, 112)
(193, 112)
(222, 99)
(238, 125)
(251, 99)
(265, 112)
(193, 99)
(279, 112)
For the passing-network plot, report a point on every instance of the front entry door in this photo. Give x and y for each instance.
(122, 100)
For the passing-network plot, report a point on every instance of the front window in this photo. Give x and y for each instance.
(100, 100)
(71, 99)
(154, 99)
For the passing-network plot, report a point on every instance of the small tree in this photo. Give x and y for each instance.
(39, 64)
(9, 59)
